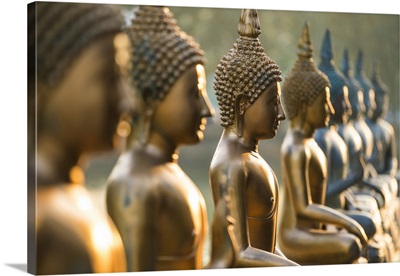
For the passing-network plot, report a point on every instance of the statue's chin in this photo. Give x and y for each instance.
(195, 138)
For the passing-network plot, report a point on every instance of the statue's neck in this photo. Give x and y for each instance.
(247, 142)
(333, 127)
(54, 163)
(376, 119)
(359, 116)
(301, 126)
(161, 148)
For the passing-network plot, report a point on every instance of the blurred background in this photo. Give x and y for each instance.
(377, 35)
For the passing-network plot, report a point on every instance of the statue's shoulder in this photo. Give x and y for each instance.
(68, 207)
(386, 126)
(294, 145)
(226, 165)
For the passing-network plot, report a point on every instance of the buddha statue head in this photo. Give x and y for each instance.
(355, 90)
(78, 77)
(339, 87)
(62, 32)
(305, 83)
(78, 89)
(366, 85)
(245, 74)
(168, 71)
(381, 93)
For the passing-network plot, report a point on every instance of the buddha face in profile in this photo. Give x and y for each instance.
(342, 107)
(369, 102)
(168, 69)
(306, 89)
(181, 115)
(80, 83)
(319, 112)
(308, 100)
(357, 105)
(381, 95)
(263, 117)
(83, 108)
(381, 103)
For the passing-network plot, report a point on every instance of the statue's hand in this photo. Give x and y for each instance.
(364, 241)
(366, 253)
(360, 233)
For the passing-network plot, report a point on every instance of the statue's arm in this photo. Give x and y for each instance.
(297, 163)
(319, 138)
(340, 185)
(357, 167)
(236, 180)
(66, 251)
(296, 167)
(391, 160)
(136, 219)
(143, 231)
(246, 256)
(353, 177)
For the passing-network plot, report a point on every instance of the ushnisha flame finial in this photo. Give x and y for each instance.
(346, 68)
(244, 71)
(379, 87)
(249, 24)
(326, 49)
(304, 82)
(345, 64)
(375, 71)
(327, 65)
(359, 63)
(360, 74)
(305, 48)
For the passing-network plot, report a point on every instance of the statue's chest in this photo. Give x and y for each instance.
(261, 190)
(339, 155)
(182, 211)
(317, 174)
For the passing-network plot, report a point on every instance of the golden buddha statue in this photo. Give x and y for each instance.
(244, 187)
(304, 233)
(370, 107)
(391, 206)
(371, 185)
(384, 154)
(78, 81)
(342, 177)
(159, 211)
(358, 108)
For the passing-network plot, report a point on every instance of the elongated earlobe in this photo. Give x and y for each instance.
(124, 126)
(240, 105)
(122, 132)
(146, 125)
